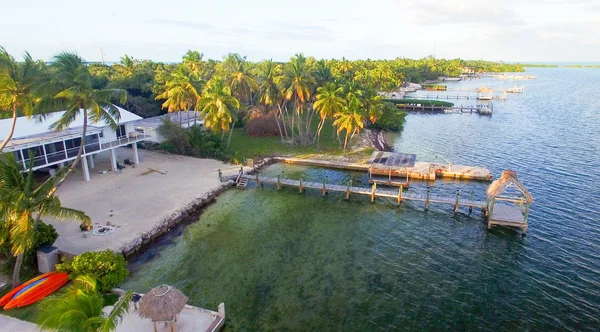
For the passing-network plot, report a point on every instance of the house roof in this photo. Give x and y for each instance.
(508, 179)
(30, 131)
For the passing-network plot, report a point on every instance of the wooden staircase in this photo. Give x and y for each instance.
(241, 181)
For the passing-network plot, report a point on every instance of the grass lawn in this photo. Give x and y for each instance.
(244, 146)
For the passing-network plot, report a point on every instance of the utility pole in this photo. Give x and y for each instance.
(101, 55)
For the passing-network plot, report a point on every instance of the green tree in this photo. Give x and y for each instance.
(180, 91)
(237, 75)
(218, 107)
(350, 119)
(328, 102)
(269, 76)
(18, 82)
(297, 84)
(80, 309)
(72, 91)
(23, 203)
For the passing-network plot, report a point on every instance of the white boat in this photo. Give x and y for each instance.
(516, 89)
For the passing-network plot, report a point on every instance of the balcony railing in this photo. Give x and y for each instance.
(132, 137)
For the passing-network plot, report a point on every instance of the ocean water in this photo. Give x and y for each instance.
(281, 261)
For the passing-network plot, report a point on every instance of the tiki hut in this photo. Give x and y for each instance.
(485, 93)
(508, 189)
(162, 304)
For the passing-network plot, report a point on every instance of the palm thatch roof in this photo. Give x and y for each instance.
(508, 179)
(484, 89)
(162, 303)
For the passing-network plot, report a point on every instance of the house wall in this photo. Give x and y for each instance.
(108, 135)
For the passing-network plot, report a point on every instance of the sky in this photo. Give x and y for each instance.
(507, 30)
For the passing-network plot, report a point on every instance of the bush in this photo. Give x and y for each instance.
(391, 119)
(109, 268)
(175, 136)
(192, 141)
(45, 234)
(264, 126)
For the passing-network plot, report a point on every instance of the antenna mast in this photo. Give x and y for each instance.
(101, 55)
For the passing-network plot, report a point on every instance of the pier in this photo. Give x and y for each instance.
(420, 170)
(507, 201)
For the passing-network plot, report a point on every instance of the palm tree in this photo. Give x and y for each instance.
(350, 119)
(17, 84)
(80, 309)
(71, 91)
(218, 107)
(193, 60)
(126, 66)
(181, 91)
(269, 74)
(328, 102)
(297, 83)
(237, 75)
(23, 203)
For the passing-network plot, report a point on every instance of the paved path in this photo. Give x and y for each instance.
(8, 323)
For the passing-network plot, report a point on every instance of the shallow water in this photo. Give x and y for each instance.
(283, 261)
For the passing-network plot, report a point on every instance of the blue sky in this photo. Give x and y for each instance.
(509, 30)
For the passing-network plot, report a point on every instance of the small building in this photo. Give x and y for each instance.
(485, 93)
(51, 149)
(508, 202)
(187, 119)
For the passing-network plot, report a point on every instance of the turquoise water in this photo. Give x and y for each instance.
(284, 261)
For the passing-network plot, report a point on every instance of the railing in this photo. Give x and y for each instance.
(132, 137)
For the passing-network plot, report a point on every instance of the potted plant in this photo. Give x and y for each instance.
(85, 226)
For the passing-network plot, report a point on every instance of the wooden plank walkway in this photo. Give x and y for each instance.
(372, 192)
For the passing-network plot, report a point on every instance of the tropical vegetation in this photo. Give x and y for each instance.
(23, 203)
(108, 268)
(80, 308)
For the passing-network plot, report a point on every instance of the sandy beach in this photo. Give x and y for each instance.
(136, 200)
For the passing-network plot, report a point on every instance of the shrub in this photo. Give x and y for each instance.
(391, 119)
(109, 268)
(45, 234)
(264, 126)
(175, 136)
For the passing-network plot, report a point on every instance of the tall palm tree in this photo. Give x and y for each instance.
(269, 75)
(218, 107)
(71, 91)
(350, 119)
(181, 91)
(80, 309)
(193, 60)
(297, 83)
(18, 82)
(237, 75)
(23, 203)
(328, 102)
(126, 66)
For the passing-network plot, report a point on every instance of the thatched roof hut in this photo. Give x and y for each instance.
(507, 180)
(162, 303)
(484, 89)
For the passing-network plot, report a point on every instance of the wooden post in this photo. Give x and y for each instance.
(427, 200)
(278, 183)
(324, 190)
(390, 177)
(526, 213)
(471, 206)
(220, 176)
(400, 194)
(373, 192)
(348, 189)
(257, 181)
(456, 202)
(300, 187)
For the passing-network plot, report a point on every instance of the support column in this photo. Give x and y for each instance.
(84, 167)
(113, 160)
(136, 156)
(91, 161)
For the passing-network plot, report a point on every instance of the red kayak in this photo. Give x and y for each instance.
(38, 290)
(9, 296)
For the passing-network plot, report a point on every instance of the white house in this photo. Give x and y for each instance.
(51, 148)
(185, 118)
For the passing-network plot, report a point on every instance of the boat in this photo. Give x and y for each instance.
(484, 110)
(8, 296)
(516, 89)
(36, 290)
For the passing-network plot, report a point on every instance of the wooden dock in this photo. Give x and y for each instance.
(372, 192)
(421, 171)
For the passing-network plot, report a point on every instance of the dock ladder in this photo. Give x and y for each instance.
(241, 181)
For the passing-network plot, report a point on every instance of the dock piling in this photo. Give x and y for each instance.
(220, 176)
(456, 201)
(348, 189)
(278, 182)
(373, 189)
(300, 187)
(427, 199)
(257, 181)
(324, 190)
(400, 194)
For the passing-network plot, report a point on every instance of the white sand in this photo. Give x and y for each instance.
(133, 202)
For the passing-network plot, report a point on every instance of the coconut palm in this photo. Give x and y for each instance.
(193, 60)
(80, 309)
(23, 203)
(181, 91)
(127, 65)
(350, 119)
(17, 84)
(218, 107)
(269, 75)
(328, 102)
(237, 75)
(297, 83)
(71, 91)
